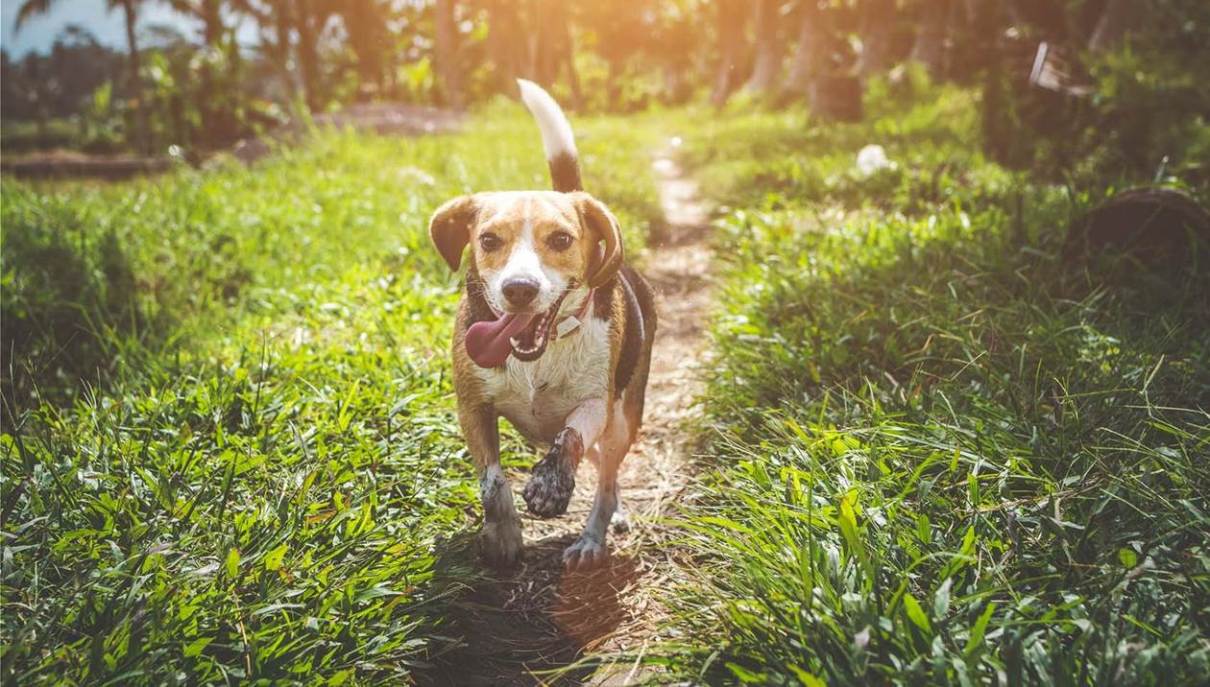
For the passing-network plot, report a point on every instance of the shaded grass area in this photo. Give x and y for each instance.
(935, 452)
(229, 450)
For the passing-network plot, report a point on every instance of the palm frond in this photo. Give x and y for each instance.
(29, 9)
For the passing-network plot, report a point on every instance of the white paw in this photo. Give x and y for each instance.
(585, 554)
(500, 542)
(620, 521)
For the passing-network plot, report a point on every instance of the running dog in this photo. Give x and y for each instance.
(554, 332)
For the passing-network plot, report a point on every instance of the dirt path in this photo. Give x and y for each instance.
(529, 626)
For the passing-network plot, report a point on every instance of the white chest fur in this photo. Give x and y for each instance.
(537, 397)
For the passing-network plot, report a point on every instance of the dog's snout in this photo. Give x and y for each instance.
(520, 292)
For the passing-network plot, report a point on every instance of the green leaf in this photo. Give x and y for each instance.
(924, 529)
(915, 613)
(848, 524)
(968, 541)
(1128, 557)
(807, 679)
(197, 646)
(941, 601)
(745, 676)
(976, 639)
(233, 563)
(274, 558)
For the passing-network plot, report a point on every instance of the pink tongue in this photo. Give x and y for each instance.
(488, 343)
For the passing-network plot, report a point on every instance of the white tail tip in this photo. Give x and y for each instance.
(557, 136)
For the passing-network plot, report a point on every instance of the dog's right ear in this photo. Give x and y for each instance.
(450, 228)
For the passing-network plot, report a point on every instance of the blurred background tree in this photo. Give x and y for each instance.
(202, 87)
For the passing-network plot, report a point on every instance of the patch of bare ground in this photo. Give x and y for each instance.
(537, 624)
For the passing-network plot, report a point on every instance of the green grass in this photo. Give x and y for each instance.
(229, 450)
(933, 451)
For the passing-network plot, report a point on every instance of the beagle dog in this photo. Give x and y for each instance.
(554, 332)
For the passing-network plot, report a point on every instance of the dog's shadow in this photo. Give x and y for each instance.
(527, 625)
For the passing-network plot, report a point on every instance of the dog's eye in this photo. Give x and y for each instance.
(490, 242)
(560, 240)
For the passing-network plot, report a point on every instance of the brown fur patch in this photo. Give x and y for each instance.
(506, 216)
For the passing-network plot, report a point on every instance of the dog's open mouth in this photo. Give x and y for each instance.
(523, 335)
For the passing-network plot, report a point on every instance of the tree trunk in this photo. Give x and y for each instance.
(974, 41)
(544, 51)
(503, 45)
(813, 38)
(449, 76)
(364, 24)
(1113, 26)
(564, 51)
(143, 136)
(308, 26)
(549, 50)
(282, 48)
(930, 47)
(212, 22)
(877, 20)
(730, 19)
(768, 48)
(209, 101)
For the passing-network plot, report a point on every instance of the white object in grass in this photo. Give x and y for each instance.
(871, 159)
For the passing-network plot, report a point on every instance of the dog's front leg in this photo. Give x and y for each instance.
(554, 477)
(590, 549)
(500, 540)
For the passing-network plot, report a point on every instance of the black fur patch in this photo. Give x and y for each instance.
(639, 326)
(602, 300)
(565, 173)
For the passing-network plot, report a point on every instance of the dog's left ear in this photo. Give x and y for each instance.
(450, 228)
(603, 229)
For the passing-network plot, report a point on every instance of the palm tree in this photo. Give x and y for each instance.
(33, 8)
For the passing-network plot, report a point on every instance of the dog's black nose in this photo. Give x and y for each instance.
(520, 292)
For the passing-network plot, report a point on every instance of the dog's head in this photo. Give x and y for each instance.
(530, 248)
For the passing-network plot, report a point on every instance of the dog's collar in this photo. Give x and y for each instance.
(571, 323)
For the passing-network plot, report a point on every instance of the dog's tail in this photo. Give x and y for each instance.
(557, 138)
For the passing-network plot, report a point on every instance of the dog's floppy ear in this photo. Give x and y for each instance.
(603, 228)
(450, 228)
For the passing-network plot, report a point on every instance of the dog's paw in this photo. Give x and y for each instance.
(500, 543)
(619, 521)
(554, 477)
(587, 553)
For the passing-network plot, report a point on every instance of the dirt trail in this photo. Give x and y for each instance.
(529, 626)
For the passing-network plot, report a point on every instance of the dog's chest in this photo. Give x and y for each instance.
(537, 397)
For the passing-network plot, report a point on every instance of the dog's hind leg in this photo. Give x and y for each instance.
(500, 541)
(620, 522)
(554, 477)
(590, 549)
